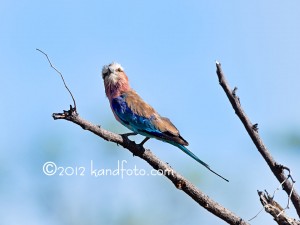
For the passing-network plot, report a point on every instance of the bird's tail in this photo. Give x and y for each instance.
(188, 152)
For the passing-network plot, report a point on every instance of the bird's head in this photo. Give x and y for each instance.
(115, 79)
(112, 71)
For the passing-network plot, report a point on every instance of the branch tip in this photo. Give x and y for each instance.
(67, 114)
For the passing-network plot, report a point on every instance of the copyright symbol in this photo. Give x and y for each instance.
(49, 168)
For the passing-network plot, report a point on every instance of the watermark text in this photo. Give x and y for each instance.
(94, 170)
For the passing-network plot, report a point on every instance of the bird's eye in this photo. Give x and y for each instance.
(119, 70)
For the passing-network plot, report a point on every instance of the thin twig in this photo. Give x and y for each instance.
(277, 169)
(257, 214)
(272, 197)
(60, 76)
(275, 210)
(280, 186)
(289, 176)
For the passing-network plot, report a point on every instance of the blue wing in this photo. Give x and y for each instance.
(133, 121)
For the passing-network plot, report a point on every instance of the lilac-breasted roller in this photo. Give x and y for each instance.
(135, 114)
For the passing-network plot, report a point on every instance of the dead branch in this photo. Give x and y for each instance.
(252, 129)
(275, 210)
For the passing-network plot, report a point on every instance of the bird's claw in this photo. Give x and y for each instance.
(143, 142)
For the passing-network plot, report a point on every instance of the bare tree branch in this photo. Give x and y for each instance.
(252, 129)
(178, 180)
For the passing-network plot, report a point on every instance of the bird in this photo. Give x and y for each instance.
(137, 115)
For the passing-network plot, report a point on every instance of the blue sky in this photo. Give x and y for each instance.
(168, 49)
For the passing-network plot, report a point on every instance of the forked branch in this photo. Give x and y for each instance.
(252, 129)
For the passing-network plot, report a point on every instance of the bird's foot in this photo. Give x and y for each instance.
(144, 141)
